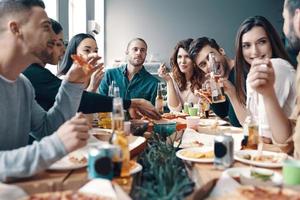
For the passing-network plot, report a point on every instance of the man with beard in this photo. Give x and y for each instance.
(132, 78)
(199, 50)
(262, 79)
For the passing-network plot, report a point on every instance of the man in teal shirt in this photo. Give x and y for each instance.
(132, 78)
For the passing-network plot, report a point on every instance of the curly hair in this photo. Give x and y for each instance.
(197, 77)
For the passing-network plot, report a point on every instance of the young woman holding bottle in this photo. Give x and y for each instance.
(258, 46)
(184, 78)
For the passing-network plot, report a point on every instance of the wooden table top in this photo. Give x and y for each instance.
(204, 175)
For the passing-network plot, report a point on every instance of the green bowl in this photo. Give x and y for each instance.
(165, 128)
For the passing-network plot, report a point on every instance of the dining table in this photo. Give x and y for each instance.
(204, 175)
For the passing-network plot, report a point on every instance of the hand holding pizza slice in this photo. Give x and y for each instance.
(83, 67)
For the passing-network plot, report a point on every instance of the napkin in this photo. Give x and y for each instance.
(191, 135)
(104, 188)
(225, 185)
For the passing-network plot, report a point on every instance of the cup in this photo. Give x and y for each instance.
(193, 111)
(192, 122)
(186, 108)
(291, 172)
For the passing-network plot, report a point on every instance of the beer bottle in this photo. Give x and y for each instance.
(250, 126)
(159, 101)
(104, 118)
(216, 93)
(216, 82)
(119, 138)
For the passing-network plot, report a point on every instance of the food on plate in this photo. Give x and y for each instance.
(194, 143)
(266, 193)
(251, 192)
(77, 158)
(65, 195)
(215, 125)
(261, 174)
(266, 158)
(194, 154)
(86, 67)
(173, 115)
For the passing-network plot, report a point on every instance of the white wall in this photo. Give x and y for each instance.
(164, 22)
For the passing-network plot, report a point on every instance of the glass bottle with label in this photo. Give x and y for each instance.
(216, 92)
(216, 81)
(104, 118)
(119, 138)
(250, 126)
(159, 101)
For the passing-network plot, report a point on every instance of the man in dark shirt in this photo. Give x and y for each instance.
(132, 78)
(199, 50)
(46, 85)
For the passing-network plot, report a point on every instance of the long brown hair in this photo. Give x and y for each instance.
(197, 77)
(241, 66)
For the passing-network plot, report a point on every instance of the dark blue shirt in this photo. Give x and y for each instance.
(142, 85)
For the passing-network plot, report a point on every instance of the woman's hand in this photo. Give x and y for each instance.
(162, 72)
(81, 70)
(261, 77)
(96, 79)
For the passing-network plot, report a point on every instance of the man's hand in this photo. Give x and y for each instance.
(74, 132)
(78, 72)
(142, 107)
(261, 77)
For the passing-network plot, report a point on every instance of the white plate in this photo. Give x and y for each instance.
(66, 164)
(280, 156)
(138, 168)
(276, 178)
(195, 149)
(210, 122)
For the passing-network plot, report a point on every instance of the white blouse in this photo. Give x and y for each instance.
(285, 89)
(184, 96)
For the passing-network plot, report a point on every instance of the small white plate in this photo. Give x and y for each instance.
(66, 164)
(210, 122)
(198, 150)
(241, 172)
(239, 156)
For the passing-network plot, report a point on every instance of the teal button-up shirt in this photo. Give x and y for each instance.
(142, 85)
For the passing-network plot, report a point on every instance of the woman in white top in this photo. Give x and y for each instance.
(184, 78)
(258, 49)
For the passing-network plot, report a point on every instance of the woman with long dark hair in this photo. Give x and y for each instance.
(259, 48)
(81, 44)
(184, 79)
